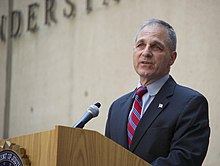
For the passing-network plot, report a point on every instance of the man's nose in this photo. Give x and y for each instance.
(147, 51)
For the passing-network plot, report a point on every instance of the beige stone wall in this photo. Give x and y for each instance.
(60, 70)
(3, 52)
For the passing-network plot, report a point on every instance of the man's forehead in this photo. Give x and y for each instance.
(153, 31)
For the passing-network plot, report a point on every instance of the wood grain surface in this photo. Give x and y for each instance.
(65, 146)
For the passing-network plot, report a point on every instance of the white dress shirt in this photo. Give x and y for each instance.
(153, 89)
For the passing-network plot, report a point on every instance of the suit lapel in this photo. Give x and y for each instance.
(156, 107)
(125, 108)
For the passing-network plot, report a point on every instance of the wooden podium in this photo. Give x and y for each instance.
(65, 146)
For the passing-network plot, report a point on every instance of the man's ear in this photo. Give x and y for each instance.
(173, 56)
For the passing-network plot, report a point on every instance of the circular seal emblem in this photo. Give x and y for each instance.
(9, 158)
(13, 155)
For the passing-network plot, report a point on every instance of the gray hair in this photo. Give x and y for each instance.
(171, 32)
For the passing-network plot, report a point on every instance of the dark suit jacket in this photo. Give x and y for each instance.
(174, 133)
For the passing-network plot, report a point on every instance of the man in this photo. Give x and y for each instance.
(162, 122)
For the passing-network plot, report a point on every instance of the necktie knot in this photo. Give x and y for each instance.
(141, 91)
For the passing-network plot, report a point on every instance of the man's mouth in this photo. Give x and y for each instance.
(146, 62)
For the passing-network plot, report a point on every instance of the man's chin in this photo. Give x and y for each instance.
(144, 74)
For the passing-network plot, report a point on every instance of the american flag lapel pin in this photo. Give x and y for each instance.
(160, 105)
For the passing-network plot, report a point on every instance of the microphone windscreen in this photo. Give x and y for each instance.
(98, 104)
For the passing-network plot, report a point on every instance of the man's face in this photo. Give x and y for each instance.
(152, 56)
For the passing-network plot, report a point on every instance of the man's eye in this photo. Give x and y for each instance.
(140, 46)
(156, 48)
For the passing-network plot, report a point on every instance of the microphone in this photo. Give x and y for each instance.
(92, 112)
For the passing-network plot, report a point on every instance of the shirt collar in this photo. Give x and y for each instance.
(154, 87)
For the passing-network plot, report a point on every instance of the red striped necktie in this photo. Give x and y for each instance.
(135, 115)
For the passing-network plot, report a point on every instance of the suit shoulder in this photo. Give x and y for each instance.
(187, 91)
(183, 92)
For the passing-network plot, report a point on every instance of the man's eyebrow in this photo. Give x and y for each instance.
(140, 41)
(158, 43)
